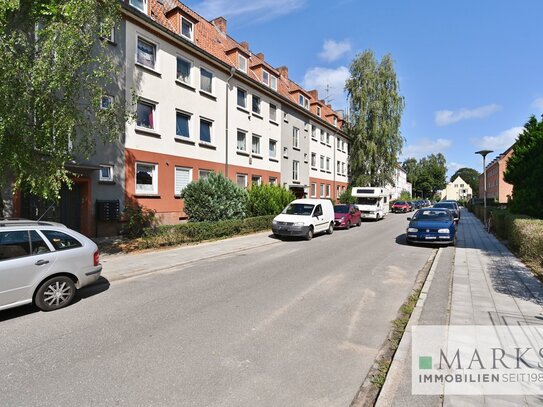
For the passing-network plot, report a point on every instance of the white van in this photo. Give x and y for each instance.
(305, 217)
(371, 201)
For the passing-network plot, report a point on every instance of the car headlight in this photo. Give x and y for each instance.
(342, 219)
(443, 231)
(412, 230)
(298, 224)
(274, 222)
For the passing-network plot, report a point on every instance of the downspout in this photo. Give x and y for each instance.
(232, 71)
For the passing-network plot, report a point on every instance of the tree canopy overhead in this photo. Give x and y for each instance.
(54, 71)
(374, 119)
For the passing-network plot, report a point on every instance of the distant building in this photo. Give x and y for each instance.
(400, 183)
(458, 189)
(496, 187)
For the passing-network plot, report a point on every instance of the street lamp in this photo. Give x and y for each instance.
(484, 153)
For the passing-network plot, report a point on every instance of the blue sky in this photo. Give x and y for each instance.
(471, 71)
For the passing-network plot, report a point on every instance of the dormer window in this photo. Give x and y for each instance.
(141, 5)
(303, 101)
(265, 78)
(242, 63)
(335, 121)
(273, 83)
(187, 29)
(319, 111)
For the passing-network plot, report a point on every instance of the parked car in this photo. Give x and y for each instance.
(452, 206)
(431, 225)
(44, 263)
(305, 217)
(401, 206)
(346, 216)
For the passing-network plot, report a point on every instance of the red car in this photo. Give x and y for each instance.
(401, 206)
(346, 216)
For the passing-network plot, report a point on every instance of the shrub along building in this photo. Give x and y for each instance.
(206, 102)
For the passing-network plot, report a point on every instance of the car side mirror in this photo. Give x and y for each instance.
(409, 218)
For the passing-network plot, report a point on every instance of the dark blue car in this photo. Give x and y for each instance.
(431, 225)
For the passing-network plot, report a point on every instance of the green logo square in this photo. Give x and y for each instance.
(425, 362)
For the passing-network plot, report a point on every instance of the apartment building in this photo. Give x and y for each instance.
(457, 189)
(203, 103)
(496, 187)
(400, 183)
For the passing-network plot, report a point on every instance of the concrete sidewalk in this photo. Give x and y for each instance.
(121, 266)
(490, 286)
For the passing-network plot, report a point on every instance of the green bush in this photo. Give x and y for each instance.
(268, 199)
(137, 219)
(346, 197)
(173, 235)
(213, 199)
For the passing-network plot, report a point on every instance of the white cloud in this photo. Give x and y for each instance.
(425, 147)
(249, 10)
(333, 79)
(538, 104)
(453, 167)
(333, 50)
(446, 117)
(499, 142)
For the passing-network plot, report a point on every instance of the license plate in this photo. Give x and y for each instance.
(429, 237)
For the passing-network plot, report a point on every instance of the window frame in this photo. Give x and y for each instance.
(273, 107)
(314, 160)
(144, 5)
(296, 138)
(191, 36)
(258, 178)
(179, 167)
(190, 76)
(107, 97)
(241, 90)
(154, 116)
(241, 176)
(295, 170)
(210, 122)
(189, 124)
(259, 104)
(155, 55)
(270, 141)
(110, 177)
(154, 178)
(259, 138)
(238, 132)
(242, 58)
(202, 70)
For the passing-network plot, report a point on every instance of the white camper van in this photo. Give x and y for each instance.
(372, 201)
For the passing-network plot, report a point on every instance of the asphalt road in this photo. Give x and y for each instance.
(294, 323)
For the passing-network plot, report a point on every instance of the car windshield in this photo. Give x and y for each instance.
(448, 205)
(299, 209)
(366, 201)
(432, 215)
(400, 203)
(341, 209)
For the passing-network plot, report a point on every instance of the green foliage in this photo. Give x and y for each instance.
(53, 73)
(268, 199)
(427, 175)
(525, 170)
(213, 199)
(374, 122)
(469, 175)
(346, 197)
(173, 235)
(138, 218)
(405, 196)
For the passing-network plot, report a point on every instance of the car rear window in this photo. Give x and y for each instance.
(61, 241)
(14, 244)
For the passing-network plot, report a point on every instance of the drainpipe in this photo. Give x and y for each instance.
(232, 71)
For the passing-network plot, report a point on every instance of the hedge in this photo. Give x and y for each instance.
(173, 235)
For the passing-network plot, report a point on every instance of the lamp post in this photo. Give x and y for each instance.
(484, 153)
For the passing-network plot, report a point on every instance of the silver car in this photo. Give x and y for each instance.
(44, 263)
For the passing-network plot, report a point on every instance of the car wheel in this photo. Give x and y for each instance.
(55, 293)
(377, 217)
(309, 234)
(330, 228)
(348, 224)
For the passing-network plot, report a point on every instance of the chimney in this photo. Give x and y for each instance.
(314, 94)
(245, 45)
(283, 71)
(220, 23)
(260, 55)
(329, 106)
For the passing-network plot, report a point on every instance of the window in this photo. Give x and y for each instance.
(203, 174)
(323, 136)
(295, 137)
(187, 29)
(328, 164)
(322, 191)
(106, 173)
(146, 54)
(328, 139)
(183, 70)
(183, 177)
(318, 211)
(285, 117)
(14, 244)
(322, 163)
(182, 125)
(256, 104)
(273, 148)
(339, 144)
(106, 102)
(313, 160)
(313, 132)
(305, 157)
(273, 82)
(345, 147)
(285, 152)
(273, 112)
(303, 101)
(242, 63)
(295, 170)
(60, 240)
(343, 168)
(273, 181)
(266, 78)
(328, 190)
(335, 121)
(145, 115)
(313, 190)
(242, 98)
(146, 178)
(256, 145)
(319, 111)
(241, 141)
(241, 180)
(338, 167)
(206, 80)
(256, 180)
(205, 130)
(141, 5)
